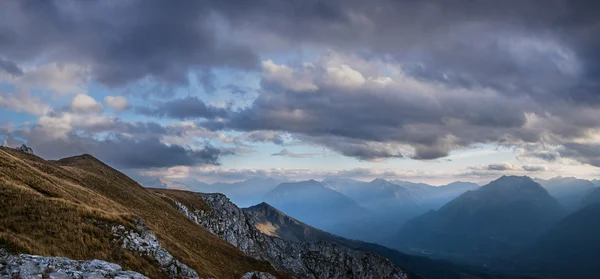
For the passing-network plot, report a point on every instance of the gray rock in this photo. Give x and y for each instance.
(25, 149)
(145, 242)
(30, 266)
(258, 275)
(301, 260)
(59, 275)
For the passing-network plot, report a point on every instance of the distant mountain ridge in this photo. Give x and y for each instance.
(315, 204)
(243, 193)
(568, 191)
(491, 221)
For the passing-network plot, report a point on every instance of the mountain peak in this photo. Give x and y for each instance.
(380, 181)
(514, 183)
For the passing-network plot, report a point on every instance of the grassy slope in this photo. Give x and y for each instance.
(67, 208)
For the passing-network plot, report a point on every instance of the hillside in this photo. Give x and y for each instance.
(478, 226)
(591, 198)
(314, 204)
(570, 249)
(75, 207)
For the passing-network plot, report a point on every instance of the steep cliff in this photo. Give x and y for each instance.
(300, 259)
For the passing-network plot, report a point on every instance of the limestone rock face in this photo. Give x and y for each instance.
(144, 241)
(30, 266)
(301, 260)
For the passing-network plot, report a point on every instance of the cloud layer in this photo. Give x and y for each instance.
(372, 80)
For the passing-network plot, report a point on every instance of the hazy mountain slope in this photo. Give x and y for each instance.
(571, 249)
(245, 193)
(596, 182)
(568, 191)
(591, 198)
(273, 222)
(300, 259)
(433, 197)
(72, 206)
(479, 225)
(378, 194)
(314, 204)
(389, 206)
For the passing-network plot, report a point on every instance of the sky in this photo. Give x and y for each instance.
(430, 91)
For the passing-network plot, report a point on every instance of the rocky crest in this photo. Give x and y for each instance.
(144, 241)
(25, 149)
(301, 260)
(30, 266)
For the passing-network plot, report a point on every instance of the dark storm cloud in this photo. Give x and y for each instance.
(122, 41)
(185, 108)
(547, 156)
(585, 153)
(366, 124)
(10, 67)
(541, 62)
(151, 153)
(514, 46)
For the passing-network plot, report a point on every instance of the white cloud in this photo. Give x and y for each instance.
(23, 101)
(343, 76)
(287, 77)
(85, 104)
(119, 103)
(61, 79)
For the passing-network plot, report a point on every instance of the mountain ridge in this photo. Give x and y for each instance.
(494, 220)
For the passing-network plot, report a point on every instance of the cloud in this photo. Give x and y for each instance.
(10, 67)
(119, 103)
(381, 116)
(262, 137)
(120, 49)
(86, 104)
(502, 167)
(23, 101)
(69, 135)
(493, 169)
(534, 168)
(185, 108)
(287, 153)
(588, 153)
(286, 77)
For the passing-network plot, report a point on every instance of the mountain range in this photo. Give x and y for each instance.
(82, 209)
(317, 205)
(568, 191)
(482, 225)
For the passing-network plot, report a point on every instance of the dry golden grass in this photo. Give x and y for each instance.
(67, 207)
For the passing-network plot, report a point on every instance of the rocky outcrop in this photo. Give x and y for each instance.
(144, 241)
(25, 149)
(301, 260)
(30, 266)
